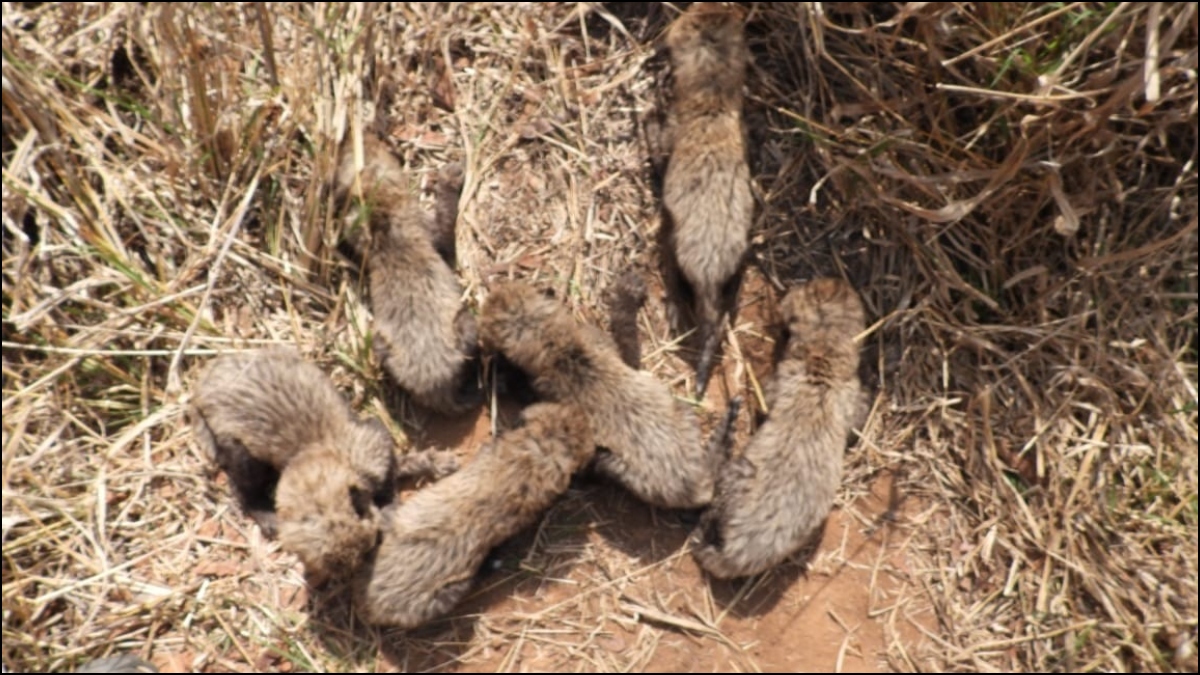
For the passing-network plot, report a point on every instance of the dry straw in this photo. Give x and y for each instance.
(1011, 185)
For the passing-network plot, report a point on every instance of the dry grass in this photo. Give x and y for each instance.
(1012, 186)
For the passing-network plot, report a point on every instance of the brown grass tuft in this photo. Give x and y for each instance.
(1012, 187)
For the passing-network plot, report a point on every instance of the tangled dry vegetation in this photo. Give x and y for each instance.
(1012, 186)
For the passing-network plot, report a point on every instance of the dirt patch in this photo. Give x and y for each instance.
(630, 598)
(847, 609)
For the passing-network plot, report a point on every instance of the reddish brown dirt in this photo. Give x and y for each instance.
(834, 617)
(603, 558)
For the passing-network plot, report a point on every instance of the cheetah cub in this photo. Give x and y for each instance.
(772, 499)
(434, 543)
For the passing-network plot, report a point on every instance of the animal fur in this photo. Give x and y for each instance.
(652, 443)
(426, 338)
(298, 459)
(434, 543)
(772, 500)
(269, 414)
(706, 190)
(625, 298)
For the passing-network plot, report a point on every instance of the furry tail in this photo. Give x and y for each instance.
(625, 297)
(449, 190)
(709, 321)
